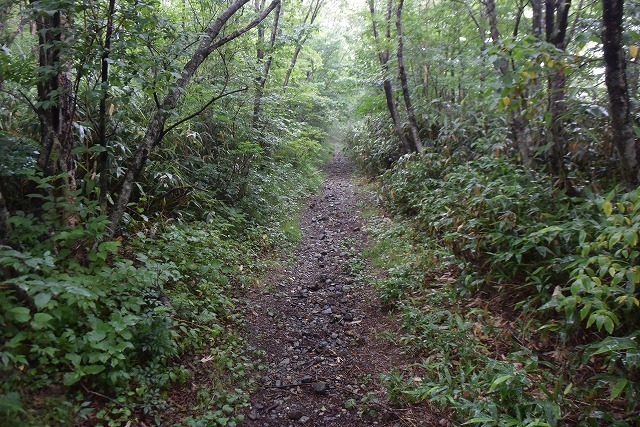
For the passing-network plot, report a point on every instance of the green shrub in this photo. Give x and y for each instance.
(569, 267)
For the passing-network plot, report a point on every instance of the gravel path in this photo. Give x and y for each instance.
(322, 329)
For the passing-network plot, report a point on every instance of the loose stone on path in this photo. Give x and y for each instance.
(319, 327)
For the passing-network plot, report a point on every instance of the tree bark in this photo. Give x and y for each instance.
(626, 143)
(556, 19)
(103, 159)
(411, 115)
(55, 99)
(261, 80)
(154, 133)
(519, 123)
(537, 20)
(4, 220)
(383, 57)
(312, 12)
(493, 20)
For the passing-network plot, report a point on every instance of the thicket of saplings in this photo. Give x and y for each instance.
(84, 318)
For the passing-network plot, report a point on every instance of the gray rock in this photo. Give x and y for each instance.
(294, 414)
(320, 387)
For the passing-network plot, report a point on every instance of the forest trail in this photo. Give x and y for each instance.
(322, 328)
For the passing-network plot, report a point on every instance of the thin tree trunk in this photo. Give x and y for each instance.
(537, 20)
(411, 115)
(155, 128)
(261, 80)
(557, 17)
(519, 123)
(103, 159)
(4, 220)
(626, 143)
(313, 13)
(383, 56)
(260, 83)
(522, 134)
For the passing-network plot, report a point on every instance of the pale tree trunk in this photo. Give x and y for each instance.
(411, 115)
(155, 129)
(556, 20)
(312, 14)
(383, 56)
(626, 143)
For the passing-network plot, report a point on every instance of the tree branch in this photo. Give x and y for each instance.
(241, 31)
(197, 113)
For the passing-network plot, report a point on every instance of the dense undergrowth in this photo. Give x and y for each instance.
(108, 332)
(521, 301)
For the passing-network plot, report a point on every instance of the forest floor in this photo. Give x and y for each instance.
(325, 335)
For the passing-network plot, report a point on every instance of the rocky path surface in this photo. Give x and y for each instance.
(321, 328)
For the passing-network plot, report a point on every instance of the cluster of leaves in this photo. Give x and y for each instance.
(115, 318)
(567, 265)
(74, 311)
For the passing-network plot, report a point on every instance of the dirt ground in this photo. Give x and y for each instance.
(324, 332)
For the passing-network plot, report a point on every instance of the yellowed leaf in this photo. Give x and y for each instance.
(633, 51)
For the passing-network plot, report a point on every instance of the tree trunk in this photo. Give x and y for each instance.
(55, 99)
(411, 115)
(519, 123)
(493, 20)
(4, 220)
(537, 20)
(626, 143)
(312, 12)
(383, 56)
(522, 134)
(261, 80)
(103, 159)
(155, 129)
(556, 18)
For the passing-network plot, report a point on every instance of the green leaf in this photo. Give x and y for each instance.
(499, 381)
(74, 358)
(93, 369)
(96, 336)
(41, 300)
(71, 378)
(608, 324)
(478, 420)
(607, 208)
(618, 388)
(19, 314)
(41, 320)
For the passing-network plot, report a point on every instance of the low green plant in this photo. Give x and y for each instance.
(504, 237)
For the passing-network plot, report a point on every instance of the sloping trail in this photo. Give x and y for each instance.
(320, 327)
